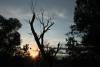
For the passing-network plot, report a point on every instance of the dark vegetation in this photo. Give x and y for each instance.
(80, 54)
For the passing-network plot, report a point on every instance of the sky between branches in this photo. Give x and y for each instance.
(62, 10)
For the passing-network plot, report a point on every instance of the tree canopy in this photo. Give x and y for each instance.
(87, 21)
(9, 36)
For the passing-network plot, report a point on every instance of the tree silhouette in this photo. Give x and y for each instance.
(11, 54)
(87, 13)
(46, 23)
(73, 46)
(40, 38)
(9, 37)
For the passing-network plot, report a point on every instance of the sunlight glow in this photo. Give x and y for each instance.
(34, 52)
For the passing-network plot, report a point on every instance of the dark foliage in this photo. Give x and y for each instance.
(87, 25)
(87, 21)
(84, 54)
(9, 37)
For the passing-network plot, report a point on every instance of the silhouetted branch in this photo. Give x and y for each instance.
(45, 27)
(33, 18)
(36, 37)
(57, 49)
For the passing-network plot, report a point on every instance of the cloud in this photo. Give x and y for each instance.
(58, 14)
(20, 9)
(62, 10)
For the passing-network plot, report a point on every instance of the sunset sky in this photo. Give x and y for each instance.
(63, 10)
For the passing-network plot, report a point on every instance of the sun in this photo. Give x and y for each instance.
(34, 53)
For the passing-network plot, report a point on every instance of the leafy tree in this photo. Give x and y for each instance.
(73, 47)
(87, 22)
(9, 37)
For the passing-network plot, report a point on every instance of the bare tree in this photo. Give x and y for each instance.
(46, 23)
(45, 27)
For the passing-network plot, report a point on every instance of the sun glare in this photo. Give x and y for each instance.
(34, 52)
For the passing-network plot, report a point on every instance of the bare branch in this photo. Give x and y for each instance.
(33, 6)
(45, 25)
(42, 18)
(45, 28)
(57, 49)
(48, 21)
(48, 28)
(32, 20)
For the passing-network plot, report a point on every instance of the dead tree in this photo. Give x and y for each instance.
(45, 27)
(39, 39)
